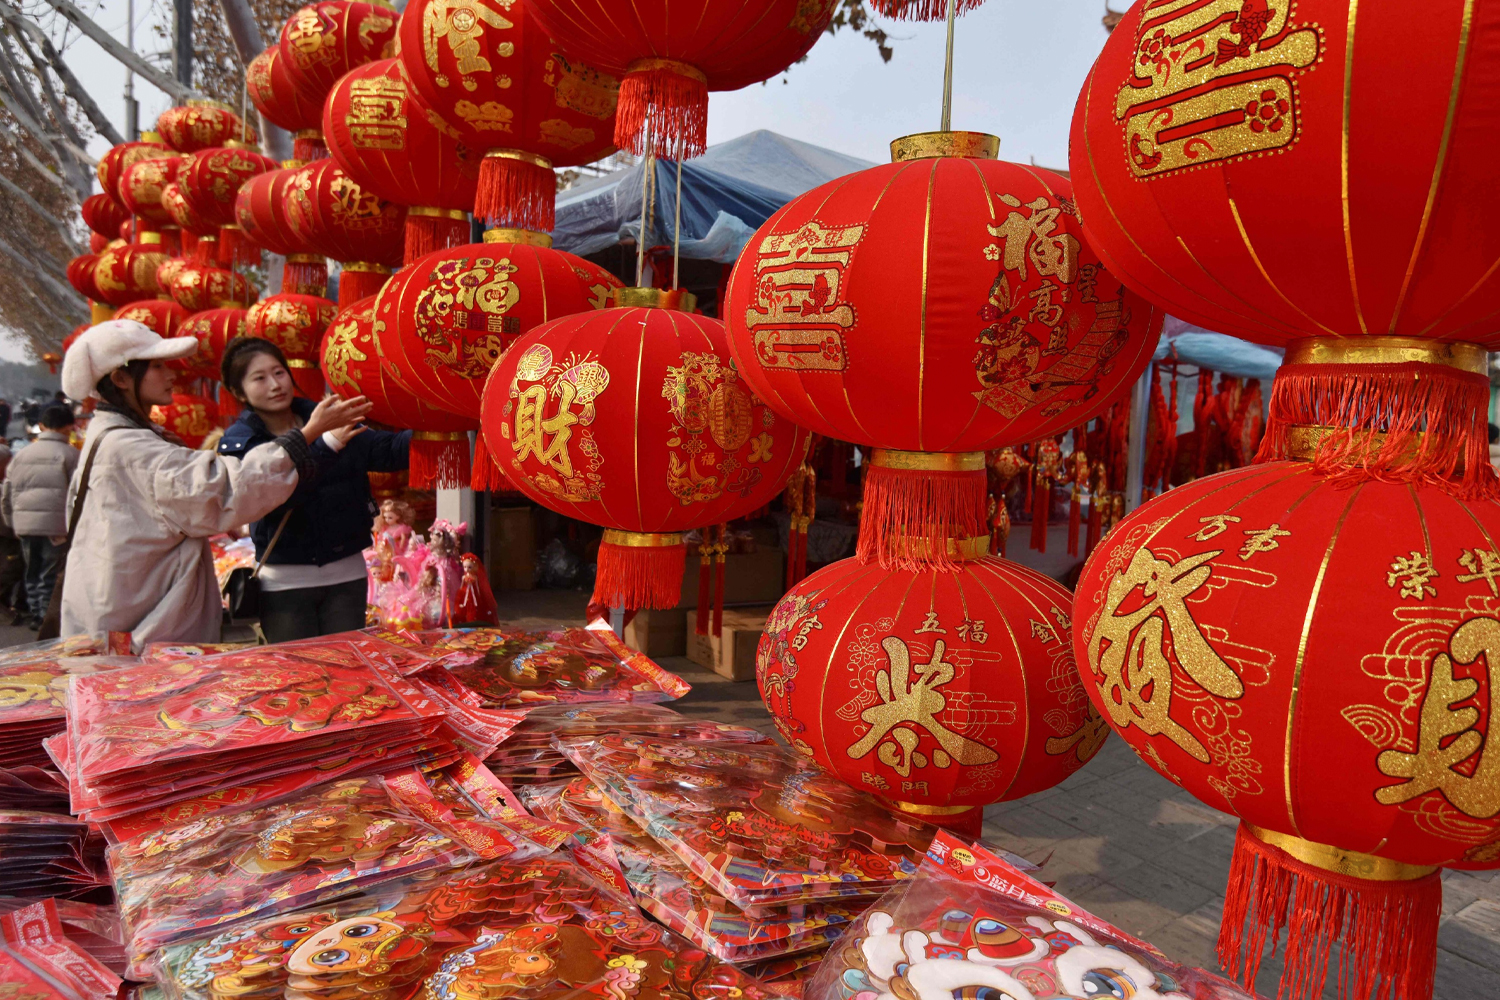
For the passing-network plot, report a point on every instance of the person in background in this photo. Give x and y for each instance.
(33, 502)
(4, 418)
(139, 560)
(12, 565)
(313, 581)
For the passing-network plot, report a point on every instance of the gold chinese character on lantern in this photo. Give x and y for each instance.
(377, 114)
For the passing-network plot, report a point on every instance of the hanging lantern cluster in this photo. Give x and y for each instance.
(332, 214)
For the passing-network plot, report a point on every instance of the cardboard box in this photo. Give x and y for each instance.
(512, 549)
(658, 633)
(757, 577)
(731, 654)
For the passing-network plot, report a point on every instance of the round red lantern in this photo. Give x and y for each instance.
(210, 181)
(199, 237)
(940, 704)
(260, 210)
(190, 417)
(294, 323)
(201, 124)
(496, 82)
(669, 58)
(382, 138)
(168, 272)
(213, 329)
(330, 212)
(203, 286)
(141, 187)
(163, 316)
(988, 322)
(117, 159)
(323, 41)
(104, 215)
(274, 95)
(127, 273)
(97, 243)
(351, 364)
(1239, 168)
(81, 275)
(636, 418)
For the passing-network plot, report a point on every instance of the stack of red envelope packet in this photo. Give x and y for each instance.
(33, 688)
(47, 854)
(145, 737)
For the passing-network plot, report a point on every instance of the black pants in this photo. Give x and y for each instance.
(12, 576)
(301, 614)
(41, 571)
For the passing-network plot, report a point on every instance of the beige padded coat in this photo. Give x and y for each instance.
(140, 561)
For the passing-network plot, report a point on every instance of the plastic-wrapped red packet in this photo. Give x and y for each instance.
(668, 890)
(971, 924)
(35, 952)
(470, 785)
(94, 928)
(539, 928)
(161, 653)
(757, 822)
(33, 692)
(469, 726)
(373, 645)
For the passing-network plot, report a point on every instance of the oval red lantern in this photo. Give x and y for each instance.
(183, 212)
(1004, 712)
(163, 316)
(127, 273)
(97, 243)
(141, 186)
(494, 80)
(1306, 655)
(669, 58)
(190, 417)
(1244, 175)
(203, 286)
(213, 329)
(81, 275)
(636, 419)
(210, 181)
(330, 212)
(295, 323)
(274, 95)
(119, 158)
(104, 215)
(260, 210)
(200, 125)
(988, 322)
(381, 137)
(168, 272)
(320, 43)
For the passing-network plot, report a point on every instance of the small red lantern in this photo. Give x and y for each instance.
(200, 125)
(104, 215)
(329, 211)
(203, 286)
(260, 210)
(127, 273)
(210, 181)
(274, 95)
(982, 657)
(670, 57)
(988, 321)
(635, 418)
(81, 275)
(192, 418)
(294, 323)
(382, 138)
(199, 236)
(118, 159)
(163, 316)
(141, 186)
(496, 82)
(322, 41)
(213, 329)
(97, 243)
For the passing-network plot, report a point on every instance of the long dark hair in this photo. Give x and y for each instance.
(115, 400)
(237, 357)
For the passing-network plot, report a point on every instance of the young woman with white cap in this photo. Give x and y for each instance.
(138, 559)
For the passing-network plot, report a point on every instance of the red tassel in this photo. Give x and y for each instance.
(516, 191)
(486, 476)
(664, 107)
(1096, 524)
(921, 10)
(439, 460)
(705, 585)
(791, 554)
(427, 234)
(1041, 510)
(308, 378)
(308, 145)
(359, 280)
(205, 251)
(640, 576)
(235, 248)
(930, 506)
(189, 245)
(305, 274)
(719, 559)
(1075, 519)
(229, 408)
(1386, 931)
(1431, 420)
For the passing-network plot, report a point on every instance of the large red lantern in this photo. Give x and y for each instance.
(382, 138)
(81, 275)
(190, 417)
(274, 95)
(294, 323)
(163, 316)
(324, 40)
(200, 125)
(669, 56)
(636, 418)
(260, 211)
(934, 307)
(117, 159)
(210, 181)
(104, 215)
(496, 82)
(940, 692)
(203, 286)
(330, 212)
(127, 273)
(1239, 167)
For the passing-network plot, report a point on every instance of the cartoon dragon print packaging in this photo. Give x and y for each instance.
(971, 925)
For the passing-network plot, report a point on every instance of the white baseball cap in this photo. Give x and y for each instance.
(113, 344)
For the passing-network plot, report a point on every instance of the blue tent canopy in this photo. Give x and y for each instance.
(1217, 351)
(726, 194)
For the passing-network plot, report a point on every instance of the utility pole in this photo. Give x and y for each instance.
(132, 108)
(182, 41)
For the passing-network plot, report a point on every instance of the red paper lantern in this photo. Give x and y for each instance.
(275, 96)
(1322, 662)
(200, 125)
(329, 211)
(168, 272)
(141, 187)
(636, 419)
(127, 273)
(351, 364)
(669, 56)
(163, 316)
(97, 243)
(988, 322)
(495, 82)
(117, 159)
(203, 286)
(213, 329)
(1240, 169)
(103, 214)
(323, 41)
(382, 138)
(294, 323)
(81, 275)
(941, 692)
(260, 210)
(210, 181)
(199, 236)
(192, 418)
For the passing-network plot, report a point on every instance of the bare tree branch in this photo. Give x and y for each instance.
(59, 113)
(60, 289)
(164, 82)
(41, 212)
(70, 83)
(40, 167)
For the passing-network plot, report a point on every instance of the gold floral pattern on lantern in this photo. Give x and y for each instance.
(714, 417)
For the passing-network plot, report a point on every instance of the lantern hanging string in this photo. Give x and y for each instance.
(948, 71)
(677, 227)
(648, 167)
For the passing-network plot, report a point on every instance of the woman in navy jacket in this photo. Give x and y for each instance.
(313, 583)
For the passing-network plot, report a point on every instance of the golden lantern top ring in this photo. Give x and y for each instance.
(207, 102)
(670, 65)
(961, 549)
(519, 154)
(679, 299)
(304, 258)
(1387, 351)
(927, 461)
(641, 540)
(432, 211)
(1335, 859)
(524, 237)
(931, 145)
(368, 267)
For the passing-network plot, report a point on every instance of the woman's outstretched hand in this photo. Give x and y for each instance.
(335, 414)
